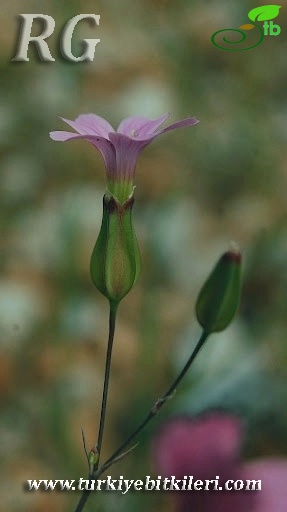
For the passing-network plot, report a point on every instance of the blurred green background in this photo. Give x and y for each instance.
(197, 189)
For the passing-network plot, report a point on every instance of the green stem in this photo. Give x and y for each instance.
(112, 325)
(152, 413)
(161, 401)
(82, 501)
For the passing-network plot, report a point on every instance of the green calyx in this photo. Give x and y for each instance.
(121, 189)
(219, 297)
(115, 262)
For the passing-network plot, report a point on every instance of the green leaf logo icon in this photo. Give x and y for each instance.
(263, 13)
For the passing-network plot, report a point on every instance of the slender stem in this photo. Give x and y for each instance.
(161, 401)
(112, 325)
(82, 501)
(154, 410)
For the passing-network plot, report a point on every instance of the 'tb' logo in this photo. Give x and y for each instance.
(264, 13)
(271, 29)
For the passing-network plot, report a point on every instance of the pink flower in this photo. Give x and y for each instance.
(120, 149)
(209, 447)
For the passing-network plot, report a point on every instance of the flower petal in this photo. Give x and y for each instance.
(273, 475)
(189, 121)
(201, 447)
(107, 151)
(127, 151)
(206, 448)
(90, 124)
(217, 501)
(104, 146)
(95, 124)
(140, 127)
(63, 136)
(79, 127)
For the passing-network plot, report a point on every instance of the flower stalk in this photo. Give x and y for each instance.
(98, 471)
(160, 402)
(112, 325)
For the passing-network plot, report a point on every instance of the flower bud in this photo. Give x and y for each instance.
(219, 297)
(115, 261)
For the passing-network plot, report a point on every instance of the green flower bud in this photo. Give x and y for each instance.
(115, 262)
(219, 297)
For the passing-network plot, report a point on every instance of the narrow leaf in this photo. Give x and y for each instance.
(119, 457)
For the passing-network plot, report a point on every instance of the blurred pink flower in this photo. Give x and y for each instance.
(208, 447)
(120, 149)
